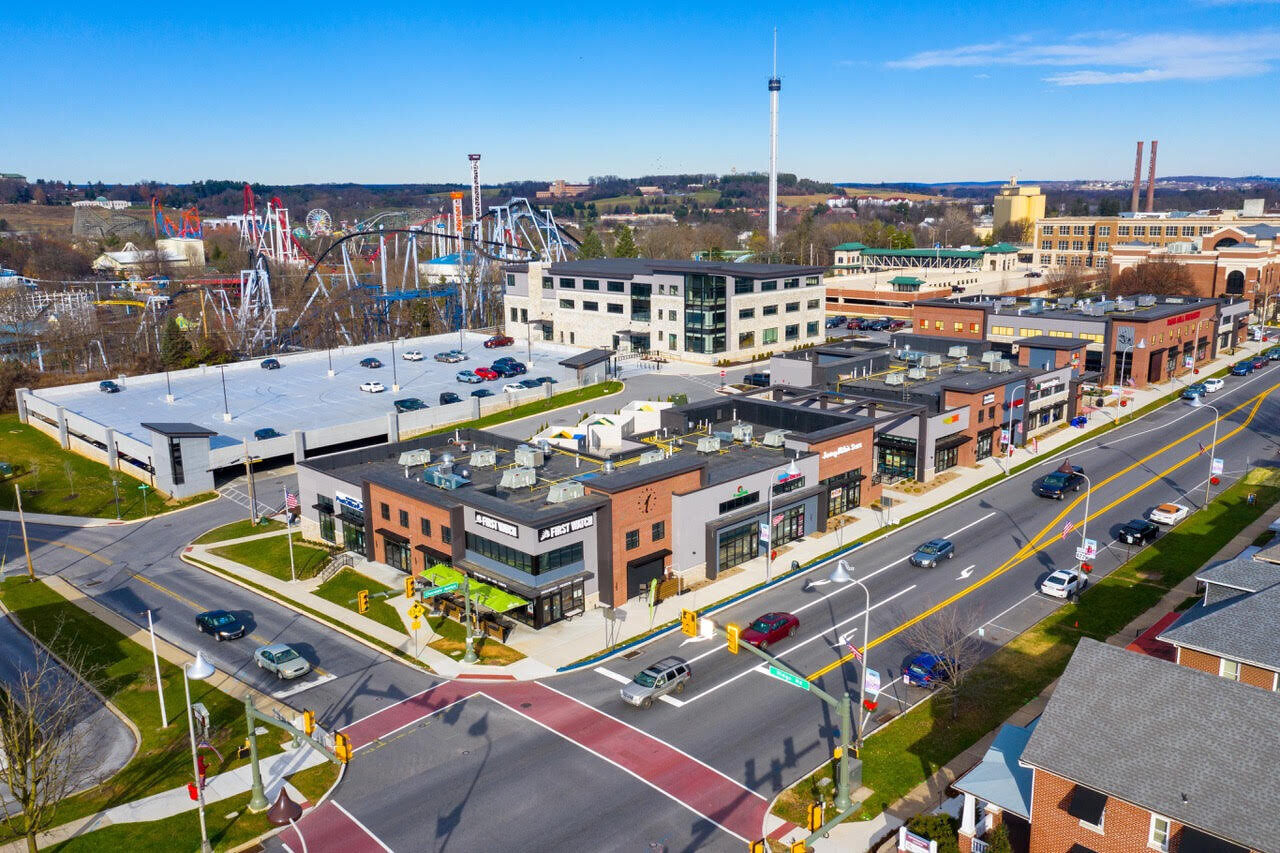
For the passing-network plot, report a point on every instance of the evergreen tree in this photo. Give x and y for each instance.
(625, 247)
(591, 246)
(175, 349)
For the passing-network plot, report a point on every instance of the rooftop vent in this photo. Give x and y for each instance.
(743, 433)
(1036, 306)
(561, 492)
(446, 459)
(484, 458)
(895, 379)
(443, 477)
(1008, 300)
(1125, 305)
(415, 457)
(528, 457)
(917, 373)
(545, 446)
(957, 352)
(709, 444)
(774, 438)
(518, 478)
(607, 467)
(1146, 301)
(650, 456)
(1002, 365)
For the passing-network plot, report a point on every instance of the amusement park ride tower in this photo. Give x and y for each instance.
(775, 86)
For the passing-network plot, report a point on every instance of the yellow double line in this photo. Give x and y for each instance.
(1035, 545)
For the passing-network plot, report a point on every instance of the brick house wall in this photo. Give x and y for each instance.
(1212, 664)
(986, 412)
(436, 517)
(855, 451)
(942, 321)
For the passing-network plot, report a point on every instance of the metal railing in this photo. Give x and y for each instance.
(344, 560)
(978, 846)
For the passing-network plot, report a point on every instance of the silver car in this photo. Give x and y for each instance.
(666, 676)
(282, 660)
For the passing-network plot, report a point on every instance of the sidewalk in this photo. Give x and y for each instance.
(929, 795)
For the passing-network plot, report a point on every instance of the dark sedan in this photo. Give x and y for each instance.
(222, 624)
(933, 552)
(770, 628)
(447, 397)
(270, 364)
(1139, 531)
(370, 362)
(1056, 485)
(1242, 368)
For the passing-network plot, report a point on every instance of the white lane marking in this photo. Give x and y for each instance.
(382, 736)
(967, 572)
(352, 818)
(956, 533)
(622, 679)
(799, 645)
(306, 685)
(394, 704)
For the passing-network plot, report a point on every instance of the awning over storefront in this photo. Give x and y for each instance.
(896, 442)
(392, 535)
(486, 595)
(649, 558)
(350, 517)
(952, 441)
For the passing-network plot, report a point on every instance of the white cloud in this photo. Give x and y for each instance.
(1109, 57)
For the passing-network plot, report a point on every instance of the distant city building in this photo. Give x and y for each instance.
(107, 204)
(638, 219)
(559, 189)
(650, 191)
(858, 257)
(891, 293)
(1017, 203)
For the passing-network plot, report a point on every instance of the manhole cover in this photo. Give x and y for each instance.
(526, 704)
(631, 654)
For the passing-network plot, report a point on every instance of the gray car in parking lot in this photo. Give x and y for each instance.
(666, 676)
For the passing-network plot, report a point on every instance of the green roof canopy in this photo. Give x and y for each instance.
(1000, 249)
(849, 247)
(906, 279)
(962, 254)
(486, 595)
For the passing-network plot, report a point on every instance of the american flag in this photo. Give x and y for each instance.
(290, 499)
(1066, 529)
(855, 651)
(1201, 443)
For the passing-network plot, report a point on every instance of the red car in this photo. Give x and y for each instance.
(498, 341)
(487, 373)
(1260, 362)
(770, 628)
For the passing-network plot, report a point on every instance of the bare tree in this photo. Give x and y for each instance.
(1068, 281)
(46, 752)
(949, 636)
(1155, 277)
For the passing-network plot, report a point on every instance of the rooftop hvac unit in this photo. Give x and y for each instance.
(528, 457)
(1001, 366)
(931, 360)
(1008, 300)
(545, 446)
(1066, 301)
(989, 356)
(518, 478)
(774, 438)
(1036, 306)
(561, 492)
(708, 444)
(443, 477)
(415, 457)
(1104, 306)
(895, 379)
(743, 433)
(917, 373)
(1146, 301)
(1124, 305)
(957, 352)
(484, 458)
(650, 456)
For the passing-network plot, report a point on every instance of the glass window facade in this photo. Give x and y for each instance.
(791, 284)
(704, 313)
(895, 456)
(175, 461)
(567, 282)
(738, 545)
(398, 555)
(844, 492)
(770, 336)
(744, 285)
(739, 502)
(530, 564)
(641, 292)
(766, 286)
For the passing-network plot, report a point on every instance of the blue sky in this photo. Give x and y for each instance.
(286, 93)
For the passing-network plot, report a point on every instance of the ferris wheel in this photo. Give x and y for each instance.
(319, 223)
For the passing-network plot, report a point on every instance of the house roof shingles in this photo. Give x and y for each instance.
(1243, 574)
(1242, 628)
(1185, 738)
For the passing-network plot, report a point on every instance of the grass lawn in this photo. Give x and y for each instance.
(237, 529)
(123, 671)
(452, 641)
(342, 588)
(905, 752)
(555, 401)
(271, 555)
(41, 466)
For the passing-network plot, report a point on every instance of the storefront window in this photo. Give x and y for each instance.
(845, 492)
(944, 459)
(353, 536)
(397, 555)
(983, 448)
(790, 528)
(326, 527)
(895, 456)
(738, 545)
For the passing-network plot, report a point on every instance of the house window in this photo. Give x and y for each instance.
(746, 313)
(937, 325)
(1123, 230)
(633, 539)
(616, 287)
(385, 512)
(426, 526)
(566, 282)
(770, 336)
(590, 284)
(812, 304)
(590, 306)
(793, 332)
(973, 328)
(658, 530)
(1158, 836)
(768, 285)
(446, 535)
(1078, 230)
(404, 519)
(957, 326)
(548, 282)
(1104, 230)
(1062, 245)
(1046, 245)
(614, 308)
(1230, 669)
(566, 303)
(811, 329)
(791, 283)
(744, 285)
(746, 340)
(769, 310)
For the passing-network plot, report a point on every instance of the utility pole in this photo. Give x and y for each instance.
(22, 523)
(248, 470)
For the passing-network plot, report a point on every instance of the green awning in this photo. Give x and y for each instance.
(486, 595)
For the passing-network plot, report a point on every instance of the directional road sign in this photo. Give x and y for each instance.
(794, 680)
(440, 590)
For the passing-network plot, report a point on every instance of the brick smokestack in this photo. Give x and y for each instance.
(1151, 178)
(1137, 178)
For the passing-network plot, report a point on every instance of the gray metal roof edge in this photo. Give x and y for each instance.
(652, 472)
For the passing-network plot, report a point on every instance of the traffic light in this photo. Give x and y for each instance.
(815, 817)
(799, 847)
(342, 747)
(731, 634)
(408, 587)
(309, 722)
(362, 601)
(689, 622)
(758, 846)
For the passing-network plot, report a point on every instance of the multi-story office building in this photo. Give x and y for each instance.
(1017, 203)
(690, 310)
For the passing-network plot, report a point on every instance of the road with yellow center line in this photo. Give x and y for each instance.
(1036, 545)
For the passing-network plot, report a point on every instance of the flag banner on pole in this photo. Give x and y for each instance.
(1201, 443)
(855, 651)
(1066, 529)
(290, 499)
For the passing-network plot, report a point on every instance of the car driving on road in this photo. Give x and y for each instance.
(1242, 368)
(668, 675)
(1168, 513)
(1193, 391)
(1064, 583)
(928, 555)
(1138, 531)
(1213, 384)
(770, 628)
(221, 624)
(281, 659)
(1068, 478)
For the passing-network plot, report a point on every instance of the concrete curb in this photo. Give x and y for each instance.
(85, 521)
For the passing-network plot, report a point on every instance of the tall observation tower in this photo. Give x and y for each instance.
(775, 86)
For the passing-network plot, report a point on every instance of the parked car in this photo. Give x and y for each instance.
(530, 383)
(1242, 368)
(513, 388)
(412, 355)
(1260, 361)
(878, 325)
(1056, 485)
(221, 624)
(927, 670)
(1193, 391)
(487, 373)
(760, 380)
(1213, 384)
(265, 433)
(1064, 583)
(508, 369)
(1273, 354)
(453, 356)
(373, 387)
(370, 362)
(770, 628)
(447, 397)
(668, 675)
(836, 322)
(1168, 513)
(933, 552)
(271, 364)
(895, 325)
(482, 392)
(109, 387)
(498, 341)
(467, 376)
(281, 659)
(1139, 531)
(546, 380)
(409, 404)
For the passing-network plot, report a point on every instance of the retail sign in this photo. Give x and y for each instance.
(741, 492)
(504, 527)
(1215, 467)
(1182, 318)
(873, 683)
(348, 501)
(1004, 436)
(784, 477)
(764, 532)
(1188, 362)
(988, 399)
(841, 450)
(952, 418)
(909, 842)
(566, 527)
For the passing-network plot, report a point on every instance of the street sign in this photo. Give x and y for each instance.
(1215, 467)
(416, 611)
(1081, 555)
(783, 675)
(415, 624)
(873, 683)
(440, 590)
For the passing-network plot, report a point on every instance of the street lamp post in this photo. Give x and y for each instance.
(790, 472)
(199, 669)
(1197, 403)
(395, 381)
(226, 407)
(470, 656)
(1012, 402)
(1084, 525)
(1140, 344)
(841, 575)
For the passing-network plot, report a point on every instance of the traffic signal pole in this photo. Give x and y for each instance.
(258, 796)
